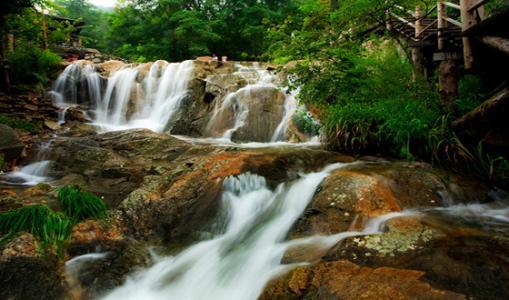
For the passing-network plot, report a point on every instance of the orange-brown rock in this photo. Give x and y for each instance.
(345, 280)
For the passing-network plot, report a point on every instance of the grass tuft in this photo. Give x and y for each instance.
(80, 205)
(49, 227)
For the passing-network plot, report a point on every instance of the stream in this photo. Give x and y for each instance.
(250, 126)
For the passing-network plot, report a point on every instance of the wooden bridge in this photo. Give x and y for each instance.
(449, 27)
(462, 36)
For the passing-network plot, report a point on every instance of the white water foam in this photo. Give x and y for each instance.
(239, 262)
(31, 174)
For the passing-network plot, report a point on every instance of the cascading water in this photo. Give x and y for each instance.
(289, 110)
(127, 103)
(150, 96)
(238, 262)
(240, 108)
(31, 174)
(65, 90)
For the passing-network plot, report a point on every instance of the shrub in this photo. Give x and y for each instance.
(19, 123)
(32, 65)
(304, 122)
(80, 205)
(470, 94)
(370, 100)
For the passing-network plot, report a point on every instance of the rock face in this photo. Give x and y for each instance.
(164, 187)
(26, 274)
(346, 280)
(230, 100)
(10, 144)
(166, 192)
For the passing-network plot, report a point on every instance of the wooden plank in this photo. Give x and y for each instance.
(441, 56)
(425, 29)
(480, 120)
(402, 20)
(496, 42)
(452, 5)
(454, 22)
(477, 5)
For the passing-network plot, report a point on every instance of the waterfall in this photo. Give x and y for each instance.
(238, 262)
(150, 104)
(289, 110)
(112, 111)
(126, 103)
(254, 108)
(65, 89)
(31, 174)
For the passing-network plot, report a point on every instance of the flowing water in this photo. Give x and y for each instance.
(240, 260)
(150, 96)
(254, 220)
(31, 174)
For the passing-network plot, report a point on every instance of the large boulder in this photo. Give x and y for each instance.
(348, 281)
(28, 274)
(428, 256)
(10, 144)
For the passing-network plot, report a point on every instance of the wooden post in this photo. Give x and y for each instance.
(467, 21)
(447, 78)
(45, 30)
(417, 57)
(442, 24)
(388, 22)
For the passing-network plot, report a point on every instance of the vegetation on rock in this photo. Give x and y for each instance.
(50, 227)
(79, 205)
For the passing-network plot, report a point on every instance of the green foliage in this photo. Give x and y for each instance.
(176, 29)
(449, 151)
(19, 123)
(31, 65)
(368, 102)
(79, 204)
(96, 21)
(470, 94)
(304, 121)
(49, 227)
(495, 6)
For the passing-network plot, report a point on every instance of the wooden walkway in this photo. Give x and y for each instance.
(453, 35)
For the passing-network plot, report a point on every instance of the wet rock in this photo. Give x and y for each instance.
(122, 255)
(109, 67)
(27, 274)
(51, 125)
(370, 189)
(265, 107)
(346, 280)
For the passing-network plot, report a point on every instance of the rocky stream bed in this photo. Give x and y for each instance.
(445, 235)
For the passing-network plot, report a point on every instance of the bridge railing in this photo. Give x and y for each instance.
(453, 17)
